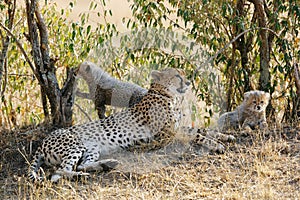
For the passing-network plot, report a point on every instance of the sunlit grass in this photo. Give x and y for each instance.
(256, 167)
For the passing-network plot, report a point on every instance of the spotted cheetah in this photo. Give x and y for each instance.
(249, 115)
(106, 90)
(78, 150)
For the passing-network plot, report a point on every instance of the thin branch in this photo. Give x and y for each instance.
(20, 47)
(110, 40)
(250, 37)
(2, 37)
(83, 112)
(44, 47)
(20, 75)
(84, 95)
(297, 78)
(5, 79)
(228, 44)
(5, 42)
(221, 50)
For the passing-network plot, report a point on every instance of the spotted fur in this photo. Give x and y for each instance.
(151, 123)
(80, 148)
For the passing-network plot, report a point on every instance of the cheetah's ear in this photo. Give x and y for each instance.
(88, 68)
(156, 75)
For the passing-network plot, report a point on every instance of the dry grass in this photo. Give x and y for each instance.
(257, 166)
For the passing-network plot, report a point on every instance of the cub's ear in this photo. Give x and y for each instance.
(156, 75)
(247, 95)
(267, 95)
(88, 68)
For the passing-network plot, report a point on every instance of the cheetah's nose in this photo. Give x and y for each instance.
(258, 107)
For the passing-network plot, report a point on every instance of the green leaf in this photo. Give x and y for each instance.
(88, 29)
(71, 4)
(71, 47)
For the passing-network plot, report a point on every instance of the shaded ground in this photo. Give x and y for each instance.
(257, 166)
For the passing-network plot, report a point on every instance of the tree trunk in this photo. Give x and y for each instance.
(61, 100)
(242, 46)
(11, 13)
(68, 97)
(264, 50)
(296, 103)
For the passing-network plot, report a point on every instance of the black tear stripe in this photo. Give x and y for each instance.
(181, 80)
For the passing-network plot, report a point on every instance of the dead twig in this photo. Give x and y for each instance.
(87, 116)
(20, 47)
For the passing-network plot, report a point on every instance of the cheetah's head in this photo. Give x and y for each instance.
(171, 78)
(256, 100)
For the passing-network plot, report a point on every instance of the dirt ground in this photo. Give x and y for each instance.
(259, 165)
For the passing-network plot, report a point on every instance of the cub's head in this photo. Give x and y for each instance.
(171, 78)
(86, 69)
(89, 71)
(256, 100)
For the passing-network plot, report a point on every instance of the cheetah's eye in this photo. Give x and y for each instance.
(178, 76)
(254, 102)
(262, 102)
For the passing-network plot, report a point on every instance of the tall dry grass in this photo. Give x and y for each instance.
(257, 166)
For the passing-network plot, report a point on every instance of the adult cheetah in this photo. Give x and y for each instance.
(79, 149)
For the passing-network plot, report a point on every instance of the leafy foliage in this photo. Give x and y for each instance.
(162, 33)
(213, 24)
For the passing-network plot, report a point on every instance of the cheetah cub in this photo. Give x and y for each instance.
(107, 90)
(251, 114)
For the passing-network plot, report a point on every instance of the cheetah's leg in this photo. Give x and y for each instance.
(100, 99)
(211, 144)
(212, 134)
(209, 138)
(59, 173)
(68, 164)
(263, 125)
(38, 160)
(248, 125)
(219, 136)
(101, 165)
(158, 141)
(91, 162)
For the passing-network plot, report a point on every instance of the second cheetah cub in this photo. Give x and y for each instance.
(250, 114)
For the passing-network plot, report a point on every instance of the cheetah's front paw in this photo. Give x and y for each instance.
(109, 164)
(220, 149)
(231, 138)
